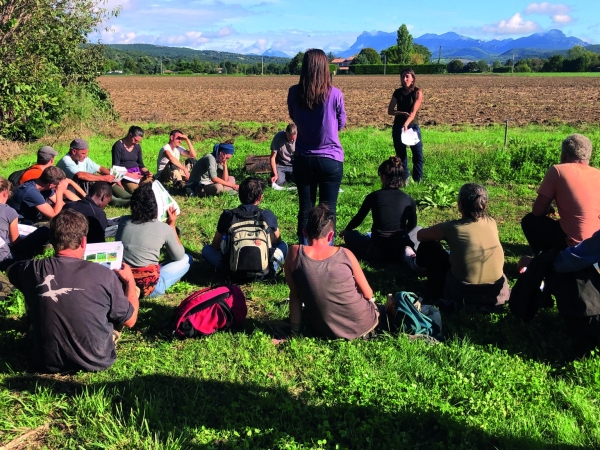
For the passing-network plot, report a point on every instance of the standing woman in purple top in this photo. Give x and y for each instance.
(404, 105)
(317, 109)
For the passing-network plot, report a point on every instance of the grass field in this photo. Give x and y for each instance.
(495, 383)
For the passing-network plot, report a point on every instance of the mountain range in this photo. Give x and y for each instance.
(454, 45)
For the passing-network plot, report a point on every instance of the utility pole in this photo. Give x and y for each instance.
(262, 65)
(440, 54)
(161, 70)
(384, 62)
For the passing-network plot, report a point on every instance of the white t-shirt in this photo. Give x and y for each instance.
(163, 160)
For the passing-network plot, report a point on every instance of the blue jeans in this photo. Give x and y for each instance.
(311, 172)
(417, 152)
(215, 257)
(284, 175)
(170, 274)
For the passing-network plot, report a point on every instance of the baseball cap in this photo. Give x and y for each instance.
(78, 144)
(47, 152)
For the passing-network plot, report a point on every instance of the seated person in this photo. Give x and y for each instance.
(143, 236)
(169, 168)
(12, 246)
(575, 186)
(283, 147)
(127, 152)
(338, 301)
(472, 274)
(81, 169)
(45, 158)
(250, 194)
(76, 308)
(92, 207)
(30, 200)
(394, 216)
(210, 175)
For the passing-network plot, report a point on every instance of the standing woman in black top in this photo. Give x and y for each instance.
(394, 217)
(404, 105)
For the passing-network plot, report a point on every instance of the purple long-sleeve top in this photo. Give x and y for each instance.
(318, 128)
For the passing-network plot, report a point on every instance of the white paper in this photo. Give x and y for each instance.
(281, 188)
(109, 254)
(409, 137)
(26, 230)
(164, 201)
(133, 180)
(118, 172)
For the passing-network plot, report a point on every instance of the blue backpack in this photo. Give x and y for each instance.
(409, 316)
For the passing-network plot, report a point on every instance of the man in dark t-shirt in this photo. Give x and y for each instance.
(74, 306)
(92, 207)
(251, 194)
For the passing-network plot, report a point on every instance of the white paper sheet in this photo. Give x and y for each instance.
(109, 254)
(164, 201)
(409, 137)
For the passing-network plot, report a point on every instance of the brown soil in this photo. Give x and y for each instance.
(448, 99)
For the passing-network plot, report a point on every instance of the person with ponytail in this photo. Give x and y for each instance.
(169, 168)
(13, 247)
(394, 217)
(471, 275)
(404, 105)
(210, 175)
(317, 109)
(328, 281)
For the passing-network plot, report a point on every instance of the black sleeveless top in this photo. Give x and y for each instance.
(405, 104)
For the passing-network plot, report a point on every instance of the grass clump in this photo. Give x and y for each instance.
(496, 382)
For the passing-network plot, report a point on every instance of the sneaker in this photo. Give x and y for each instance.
(278, 259)
(410, 258)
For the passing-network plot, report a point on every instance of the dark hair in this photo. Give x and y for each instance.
(52, 175)
(473, 199)
(67, 229)
(143, 204)
(320, 222)
(291, 128)
(315, 79)
(41, 160)
(99, 189)
(412, 87)
(135, 131)
(250, 190)
(392, 173)
(174, 132)
(5, 185)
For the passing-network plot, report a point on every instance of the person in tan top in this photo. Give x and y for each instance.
(575, 187)
(472, 274)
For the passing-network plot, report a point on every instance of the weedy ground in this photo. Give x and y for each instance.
(495, 383)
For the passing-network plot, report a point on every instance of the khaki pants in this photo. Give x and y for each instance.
(210, 190)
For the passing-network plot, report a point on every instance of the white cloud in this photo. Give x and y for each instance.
(558, 12)
(515, 25)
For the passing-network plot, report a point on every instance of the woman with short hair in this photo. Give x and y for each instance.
(328, 280)
(471, 275)
(317, 109)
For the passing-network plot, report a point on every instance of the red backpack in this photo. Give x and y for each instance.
(210, 309)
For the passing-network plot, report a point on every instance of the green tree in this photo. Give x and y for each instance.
(554, 64)
(422, 50)
(330, 56)
(483, 66)
(405, 45)
(370, 55)
(455, 66)
(496, 64)
(390, 55)
(296, 63)
(46, 59)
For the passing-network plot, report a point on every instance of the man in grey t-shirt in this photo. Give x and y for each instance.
(282, 153)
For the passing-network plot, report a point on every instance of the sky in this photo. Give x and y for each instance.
(254, 26)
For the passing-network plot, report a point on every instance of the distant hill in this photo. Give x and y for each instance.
(457, 46)
(173, 53)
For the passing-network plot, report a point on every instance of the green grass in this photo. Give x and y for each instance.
(496, 383)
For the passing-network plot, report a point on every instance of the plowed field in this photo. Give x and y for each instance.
(448, 99)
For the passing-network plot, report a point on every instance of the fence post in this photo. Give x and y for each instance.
(505, 134)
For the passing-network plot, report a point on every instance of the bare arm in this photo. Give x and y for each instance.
(172, 220)
(541, 205)
(77, 188)
(13, 231)
(84, 176)
(129, 283)
(177, 163)
(49, 211)
(190, 153)
(216, 242)
(295, 302)
(433, 233)
(362, 285)
(415, 108)
(276, 237)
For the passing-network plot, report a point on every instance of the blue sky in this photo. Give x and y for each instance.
(253, 26)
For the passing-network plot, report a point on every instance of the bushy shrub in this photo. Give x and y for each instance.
(503, 69)
(522, 68)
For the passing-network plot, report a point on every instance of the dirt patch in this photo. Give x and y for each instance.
(448, 99)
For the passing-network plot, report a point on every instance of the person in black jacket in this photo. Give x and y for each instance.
(92, 207)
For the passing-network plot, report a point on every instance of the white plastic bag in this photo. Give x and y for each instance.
(409, 137)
